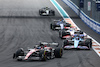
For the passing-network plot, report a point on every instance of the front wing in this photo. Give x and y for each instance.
(59, 28)
(30, 58)
(72, 47)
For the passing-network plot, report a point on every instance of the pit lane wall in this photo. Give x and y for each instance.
(86, 19)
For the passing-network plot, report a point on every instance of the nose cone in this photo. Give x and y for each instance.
(29, 53)
(76, 42)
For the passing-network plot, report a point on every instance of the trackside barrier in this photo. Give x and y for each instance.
(94, 25)
(95, 44)
(90, 22)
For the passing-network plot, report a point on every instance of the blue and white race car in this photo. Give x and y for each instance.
(59, 24)
(78, 42)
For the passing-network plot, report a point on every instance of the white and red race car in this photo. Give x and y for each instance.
(63, 34)
(43, 51)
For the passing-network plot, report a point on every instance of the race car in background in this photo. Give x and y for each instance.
(56, 25)
(78, 41)
(46, 11)
(70, 32)
(43, 51)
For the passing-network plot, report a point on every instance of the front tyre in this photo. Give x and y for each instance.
(42, 55)
(58, 52)
(19, 52)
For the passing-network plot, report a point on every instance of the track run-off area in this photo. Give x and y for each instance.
(96, 45)
(22, 26)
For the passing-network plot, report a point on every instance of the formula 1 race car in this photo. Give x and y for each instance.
(63, 34)
(56, 25)
(43, 51)
(77, 42)
(46, 11)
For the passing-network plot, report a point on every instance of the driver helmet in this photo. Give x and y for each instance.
(40, 44)
(38, 47)
(61, 21)
(46, 7)
(77, 38)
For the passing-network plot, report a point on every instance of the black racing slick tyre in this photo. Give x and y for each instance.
(19, 52)
(58, 52)
(42, 55)
(52, 26)
(40, 12)
(65, 43)
(88, 43)
(63, 33)
(53, 13)
(60, 34)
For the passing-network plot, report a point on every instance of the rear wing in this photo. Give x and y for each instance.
(50, 44)
(58, 20)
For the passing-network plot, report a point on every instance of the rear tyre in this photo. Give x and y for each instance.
(53, 13)
(52, 26)
(60, 34)
(88, 43)
(63, 33)
(40, 12)
(65, 43)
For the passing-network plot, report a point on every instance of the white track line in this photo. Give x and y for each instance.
(96, 45)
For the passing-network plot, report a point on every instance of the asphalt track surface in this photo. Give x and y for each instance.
(21, 26)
